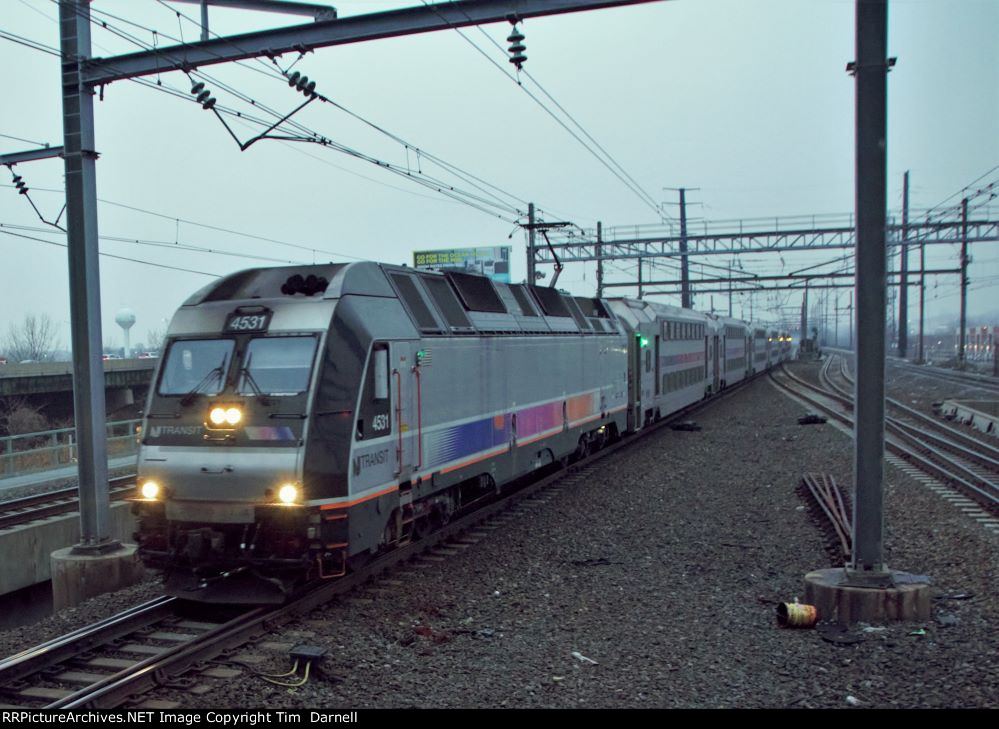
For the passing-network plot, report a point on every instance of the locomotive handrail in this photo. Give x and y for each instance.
(398, 418)
(419, 417)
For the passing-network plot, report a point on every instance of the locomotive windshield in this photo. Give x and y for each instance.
(277, 366)
(196, 366)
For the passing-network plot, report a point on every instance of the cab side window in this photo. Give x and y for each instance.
(374, 418)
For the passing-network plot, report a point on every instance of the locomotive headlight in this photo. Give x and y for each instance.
(150, 490)
(288, 493)
(223, 416)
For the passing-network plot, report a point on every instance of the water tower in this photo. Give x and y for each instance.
(125, 319)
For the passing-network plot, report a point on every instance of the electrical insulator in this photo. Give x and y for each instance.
(517, 48)
(293, 79)
(302, 83)
(202, 95)
(22, 189)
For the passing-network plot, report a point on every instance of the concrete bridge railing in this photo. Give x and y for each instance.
(46, 450)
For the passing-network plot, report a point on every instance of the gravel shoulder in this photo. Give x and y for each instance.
(663, 569)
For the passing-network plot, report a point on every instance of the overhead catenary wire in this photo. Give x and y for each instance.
(423, 154)
(34, 45)
(22, 139)
(633, 186)
(506, 212)
(173, 245)
(439, 186)
(208, 226)
(111, 255)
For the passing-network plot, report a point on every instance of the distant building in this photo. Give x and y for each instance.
(979, 344)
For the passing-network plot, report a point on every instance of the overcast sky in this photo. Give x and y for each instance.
(746, 100)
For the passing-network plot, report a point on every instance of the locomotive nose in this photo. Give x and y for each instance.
(200, 476)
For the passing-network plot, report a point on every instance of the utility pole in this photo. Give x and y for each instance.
(964, 281)
(640, 291)
(685, 297)
(531, 280)
(903, 291)
(600, 260)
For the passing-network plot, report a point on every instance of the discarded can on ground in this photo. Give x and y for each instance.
(796, 615)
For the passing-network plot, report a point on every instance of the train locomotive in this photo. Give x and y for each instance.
(304, 419)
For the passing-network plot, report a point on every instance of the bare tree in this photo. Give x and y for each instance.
(154, 340)
(34, 338)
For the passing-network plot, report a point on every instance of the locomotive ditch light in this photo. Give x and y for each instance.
(288, 493)
(150, 490)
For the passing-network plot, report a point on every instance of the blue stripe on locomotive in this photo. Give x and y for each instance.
(458, 441)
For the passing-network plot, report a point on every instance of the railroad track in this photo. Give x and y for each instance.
(977, 457)
(964, 468)
(116, 660)
(52, 503)
(967, 379)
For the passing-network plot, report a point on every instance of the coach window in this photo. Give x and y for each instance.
(373, 419)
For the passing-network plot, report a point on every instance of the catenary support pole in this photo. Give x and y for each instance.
(84, 279)
(922, 297)
(804, 315)
(849, 319)
(730, 266)
(869, 389)
(531, 279)
(903, 290)
(600, 259)
(962, 334)
(685, 297)
(204, 20)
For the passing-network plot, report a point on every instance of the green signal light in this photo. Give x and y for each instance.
(644, 341)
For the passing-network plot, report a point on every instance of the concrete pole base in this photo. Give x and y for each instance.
(79, 577)
(842, 603)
